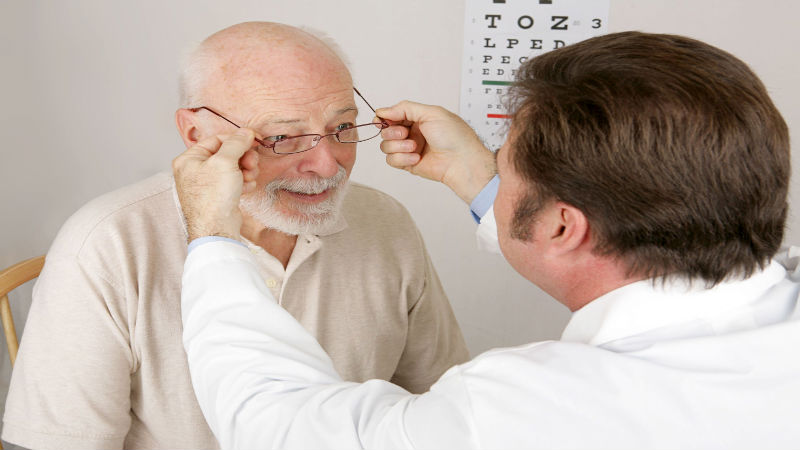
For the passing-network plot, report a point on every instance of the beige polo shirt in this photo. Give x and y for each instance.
(101, 363)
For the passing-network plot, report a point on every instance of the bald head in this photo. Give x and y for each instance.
(261, 53)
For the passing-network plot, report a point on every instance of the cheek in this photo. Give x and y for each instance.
(347, 158)
(270, 168)
(503, 232)
(503, 210)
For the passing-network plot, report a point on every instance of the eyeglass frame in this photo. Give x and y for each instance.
(271, 145)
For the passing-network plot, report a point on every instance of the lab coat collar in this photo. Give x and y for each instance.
(651, 304)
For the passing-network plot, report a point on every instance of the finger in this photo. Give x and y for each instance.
(249, 186)
(249, 174)
(379, 121)
(249, 167)
(402, 160)
(405, 111)
(205, 147)
(404, 146)
(403, 123)
(249, 161)
(196, 154)
(234, 147)
(394, 132)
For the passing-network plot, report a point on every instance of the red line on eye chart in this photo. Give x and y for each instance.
(498, 116)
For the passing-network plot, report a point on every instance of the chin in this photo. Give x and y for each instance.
(295, 218)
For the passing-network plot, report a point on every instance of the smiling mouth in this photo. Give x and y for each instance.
(308, 198)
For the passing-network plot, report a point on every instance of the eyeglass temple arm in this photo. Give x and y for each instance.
(383, 121)
(265, 144)
(216, 114)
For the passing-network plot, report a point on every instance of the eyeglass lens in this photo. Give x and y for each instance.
(358, 133)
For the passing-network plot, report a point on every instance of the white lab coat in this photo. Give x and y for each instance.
(644, 366)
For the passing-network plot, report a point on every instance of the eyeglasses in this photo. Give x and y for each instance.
(286, 145)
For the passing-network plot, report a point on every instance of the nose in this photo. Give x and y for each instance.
(322, 159)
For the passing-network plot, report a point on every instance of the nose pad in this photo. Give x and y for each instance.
(318, 139)
(321, 159)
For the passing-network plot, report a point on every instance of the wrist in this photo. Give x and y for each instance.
(468, 180)
(200, 233)
(198, 229)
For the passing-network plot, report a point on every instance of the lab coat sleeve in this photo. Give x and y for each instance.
(486, 234)
(263, 381)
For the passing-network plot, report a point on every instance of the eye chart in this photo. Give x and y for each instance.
(499, 35)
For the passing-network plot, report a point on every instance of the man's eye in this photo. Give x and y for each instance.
(345, 126)
(277, 138)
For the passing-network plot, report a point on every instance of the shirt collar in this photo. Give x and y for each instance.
(335, 227)
(650, 304)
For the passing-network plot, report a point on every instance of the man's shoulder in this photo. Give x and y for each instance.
(358, 191)
(121, 214)
(367, 204)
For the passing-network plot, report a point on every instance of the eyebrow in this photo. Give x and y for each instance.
(346, 109)
(285, 121)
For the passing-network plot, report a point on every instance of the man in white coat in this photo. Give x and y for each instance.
(643, 185)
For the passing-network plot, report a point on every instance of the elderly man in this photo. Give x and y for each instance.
(101, 363)
(643, 185)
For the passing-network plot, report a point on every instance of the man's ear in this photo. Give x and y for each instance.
(566, 228)
(185, 119)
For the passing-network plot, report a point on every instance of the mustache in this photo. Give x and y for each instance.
(314, 185)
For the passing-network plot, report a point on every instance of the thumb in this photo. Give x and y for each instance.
(405, 111)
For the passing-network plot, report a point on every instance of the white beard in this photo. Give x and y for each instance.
(307, 218)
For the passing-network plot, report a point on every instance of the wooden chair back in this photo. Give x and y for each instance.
(11, 278)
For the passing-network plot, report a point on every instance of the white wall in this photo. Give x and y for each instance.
(88, 95)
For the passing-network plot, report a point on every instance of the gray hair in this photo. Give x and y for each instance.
(195, 67)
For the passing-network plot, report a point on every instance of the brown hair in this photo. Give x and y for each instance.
(671, 148)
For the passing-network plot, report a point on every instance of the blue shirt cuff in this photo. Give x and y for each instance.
(485, 199)
(206, 239)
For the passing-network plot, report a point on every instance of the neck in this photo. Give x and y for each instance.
(276, 243)
(599, 276)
